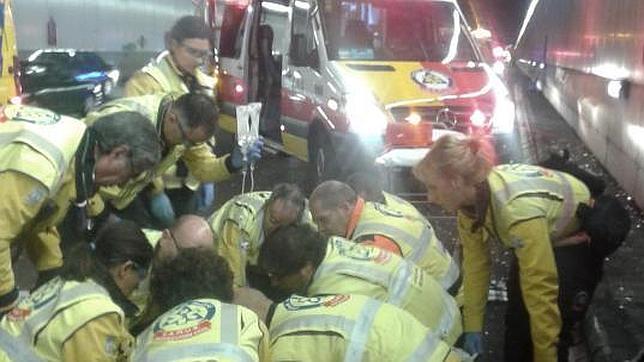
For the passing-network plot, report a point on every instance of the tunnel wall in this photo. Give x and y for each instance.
(583, 45)
(126, 33)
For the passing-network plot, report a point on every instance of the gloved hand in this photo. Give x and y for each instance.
(161, 209)
(473, 342)
(253, 154)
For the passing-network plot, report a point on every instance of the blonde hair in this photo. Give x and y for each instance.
(470, 158)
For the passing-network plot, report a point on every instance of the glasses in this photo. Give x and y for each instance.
(196, 53)
(184, 136)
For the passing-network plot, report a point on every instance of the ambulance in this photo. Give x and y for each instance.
(349, 84)
(9, 63)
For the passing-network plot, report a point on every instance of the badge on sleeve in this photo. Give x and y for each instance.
(37, 195)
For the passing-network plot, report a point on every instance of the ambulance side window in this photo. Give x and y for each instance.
(303, 50)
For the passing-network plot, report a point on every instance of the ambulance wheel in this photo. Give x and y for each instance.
(322, 160)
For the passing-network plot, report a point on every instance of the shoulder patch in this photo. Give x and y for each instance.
(295, 302)
(36, 195)
(33, 115)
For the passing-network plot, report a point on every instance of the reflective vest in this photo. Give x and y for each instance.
(54, 312)
(14, 350)
(399, 204)
(522, 192)
(353, 268)
(164, 73)
(415, 237)
(201, 330)
(368, 330)
(52, 138)
(148, 106)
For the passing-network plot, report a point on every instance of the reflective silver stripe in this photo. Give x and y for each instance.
(425, 349)
(360, 334)
(382, 229)
(400, 283)
(353, 269)
(448, 317)
(41, 316)
(15, 349)
(205, 351)
(229, 327)
(568, 207)
(427, 237)
(453, 272)
(317, 322)
(36, 140)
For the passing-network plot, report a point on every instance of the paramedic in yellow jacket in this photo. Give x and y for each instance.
(50, 162)
(242, 223)
(350, 327)
(300, 260)
(183, 125)
(80, 315)
(178, 70)
(339, 211)
(193, 293)
(528, 209)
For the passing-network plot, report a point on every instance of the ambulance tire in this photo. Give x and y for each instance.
(322, 157)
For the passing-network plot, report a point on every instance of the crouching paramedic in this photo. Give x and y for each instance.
(49, 162)
(184, 125)
(242, 223)
(338, 210)
(192, 292)
(300, 260)
(80, 315)
(527, 208)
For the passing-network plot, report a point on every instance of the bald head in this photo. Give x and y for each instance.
(190, 231)
(332, 204)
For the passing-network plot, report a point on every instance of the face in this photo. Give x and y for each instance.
(176, 132)
(292, 283)
(167, 247)
(113, 168)
(128, 276)
(331, 222)
(449, 193)
(190, 53)
(279, 213)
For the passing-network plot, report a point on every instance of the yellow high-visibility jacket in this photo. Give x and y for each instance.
(204, 330)
(70, 321)
(358, 269)
(200, 160)
(529, 207)
(345, 327)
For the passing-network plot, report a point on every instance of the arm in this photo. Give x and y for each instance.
(476, 274)
(102, 339)
(141, 84)
(228, 247)
(22, 198)
(205, 165)
(539, 285)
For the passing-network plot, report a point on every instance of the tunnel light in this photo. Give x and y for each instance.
(618, 89)
(239, 88)
(542, 66)
(478, 118)
(414, 118)
(498, 67)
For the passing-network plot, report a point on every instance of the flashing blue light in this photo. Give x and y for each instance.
(90, 75)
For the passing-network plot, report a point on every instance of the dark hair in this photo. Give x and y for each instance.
(198, 111)
(188, 27)
(331, 194)
(560, 161)
(192, 274)
(367, 183)
(116, 243)
(607, 223)
(131, 129)
(290, 248)
(290, 193)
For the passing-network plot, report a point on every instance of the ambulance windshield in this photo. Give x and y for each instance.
(406, 30)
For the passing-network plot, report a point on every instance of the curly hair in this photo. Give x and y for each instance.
(192, 274)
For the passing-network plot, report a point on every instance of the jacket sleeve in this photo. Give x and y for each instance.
(102, 339)
(539, 285)
(382, 242)
(228, 247)
(205, 165)
(141, 84)
(22, 198)
(476, 273)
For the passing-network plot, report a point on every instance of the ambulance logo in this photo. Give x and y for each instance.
(295, 302)
(184, 321)
(431, 79)
(32, 115)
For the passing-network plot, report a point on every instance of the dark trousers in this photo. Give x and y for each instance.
(579, 273)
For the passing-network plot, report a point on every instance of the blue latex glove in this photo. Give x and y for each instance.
(473, 342)
(161, 209)
(254, 153)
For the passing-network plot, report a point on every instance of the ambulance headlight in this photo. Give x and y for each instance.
(366, 118)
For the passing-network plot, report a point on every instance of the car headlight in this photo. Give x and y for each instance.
(366, 118)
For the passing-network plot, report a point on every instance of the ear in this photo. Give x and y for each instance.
(120, 151)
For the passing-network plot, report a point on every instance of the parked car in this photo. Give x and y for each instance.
(67, 81)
